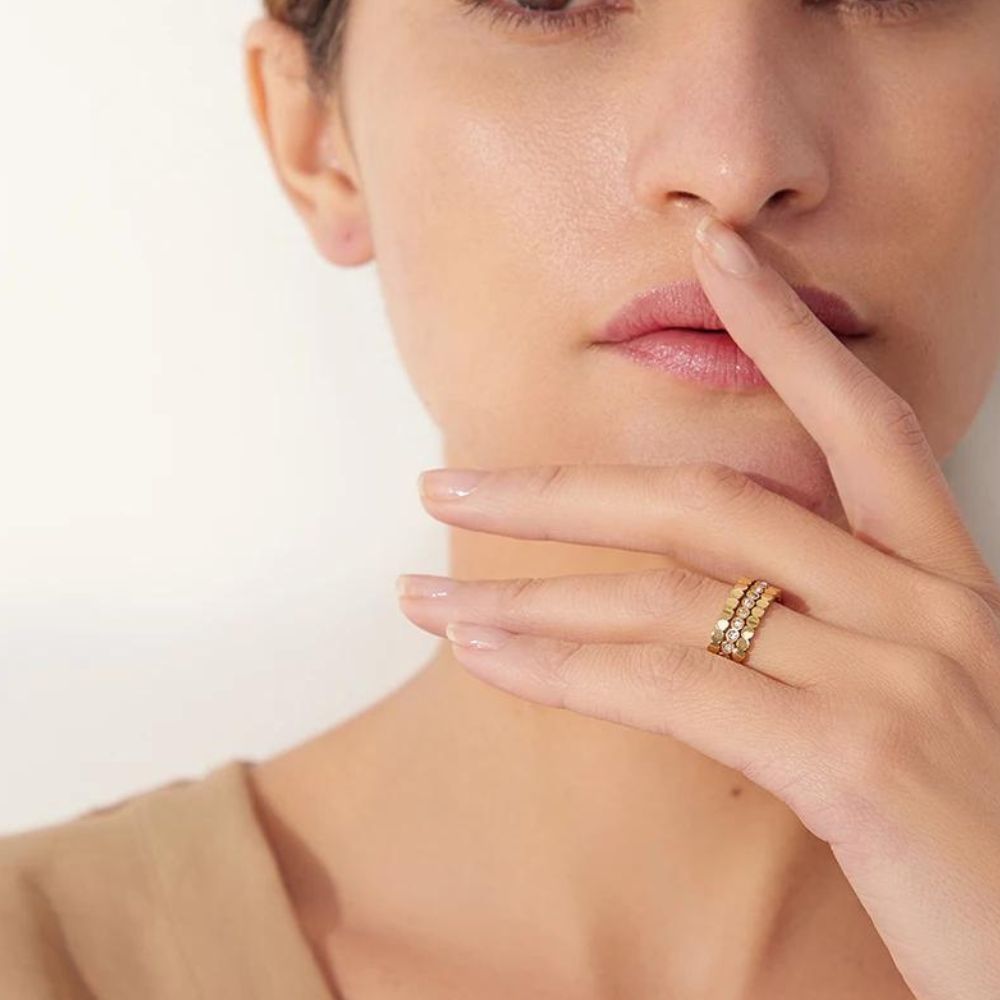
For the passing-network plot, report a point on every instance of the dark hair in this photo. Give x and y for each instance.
(321, 24)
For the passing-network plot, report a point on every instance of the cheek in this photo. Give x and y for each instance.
(932, 184)
(486, 194)
(962, 250)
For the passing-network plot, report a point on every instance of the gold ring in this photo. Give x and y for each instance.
(740, 618)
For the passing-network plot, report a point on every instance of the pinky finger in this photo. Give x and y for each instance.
(741, 717)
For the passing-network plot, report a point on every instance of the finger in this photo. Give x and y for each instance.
(660, 606)
(740, 717)
(721, 523)
(892, 488)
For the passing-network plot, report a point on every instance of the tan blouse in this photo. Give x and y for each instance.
(170, 893)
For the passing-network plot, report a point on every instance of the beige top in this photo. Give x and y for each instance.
(171, 893)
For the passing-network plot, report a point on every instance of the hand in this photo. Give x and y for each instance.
(873, 710)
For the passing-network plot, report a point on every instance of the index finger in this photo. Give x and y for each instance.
(893, 490)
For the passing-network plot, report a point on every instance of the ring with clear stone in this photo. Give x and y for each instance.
(742, 612)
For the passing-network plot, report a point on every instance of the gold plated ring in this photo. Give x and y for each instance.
(741, 616)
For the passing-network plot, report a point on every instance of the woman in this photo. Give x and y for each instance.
(700, 294)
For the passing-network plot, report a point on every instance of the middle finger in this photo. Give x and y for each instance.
(714, 519)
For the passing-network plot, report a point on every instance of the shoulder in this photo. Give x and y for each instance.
(25, 968)
(80, 913)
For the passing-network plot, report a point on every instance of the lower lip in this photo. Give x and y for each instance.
(709, 358)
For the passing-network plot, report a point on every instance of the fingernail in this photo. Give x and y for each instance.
(447, 484)
(424, 585)
(727, 249)
(476, 636)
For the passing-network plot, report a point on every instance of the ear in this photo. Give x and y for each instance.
(306, 141)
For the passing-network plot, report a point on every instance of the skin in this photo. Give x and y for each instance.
(522, 829)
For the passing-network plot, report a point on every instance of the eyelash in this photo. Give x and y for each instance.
(597, 16)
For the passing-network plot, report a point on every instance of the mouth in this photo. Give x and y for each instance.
(675, 328)
(684, 307)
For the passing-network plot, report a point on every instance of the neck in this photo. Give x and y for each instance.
(614, 825)
(614, 861)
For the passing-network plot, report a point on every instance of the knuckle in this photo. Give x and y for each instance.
(946, 697)
(670, 669)
(548, 480)
(702, 485)
(964, 610)
(618, 682)
(990, 593)
(796, 315)
(565, 661)
(625, 680)
(655, 592)
(520, 594)
(959, 621)
(928, 685)
(900, 422)
(891, 416)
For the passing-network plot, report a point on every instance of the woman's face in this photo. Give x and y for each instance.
(523, 181)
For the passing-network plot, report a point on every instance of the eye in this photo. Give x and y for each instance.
(562, 15)
(879, 10)
(547, 15)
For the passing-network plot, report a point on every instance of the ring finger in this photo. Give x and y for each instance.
(673, 605)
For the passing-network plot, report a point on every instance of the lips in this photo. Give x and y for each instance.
(683, 305)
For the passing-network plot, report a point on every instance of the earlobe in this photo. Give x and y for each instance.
(299, 132)
(345, 244)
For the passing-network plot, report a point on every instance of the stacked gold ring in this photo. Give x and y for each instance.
(741, 615)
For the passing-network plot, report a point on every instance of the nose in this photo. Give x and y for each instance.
(725, 122)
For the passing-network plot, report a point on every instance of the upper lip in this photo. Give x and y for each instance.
(684, 304)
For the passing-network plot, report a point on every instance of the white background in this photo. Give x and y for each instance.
(208, 447)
